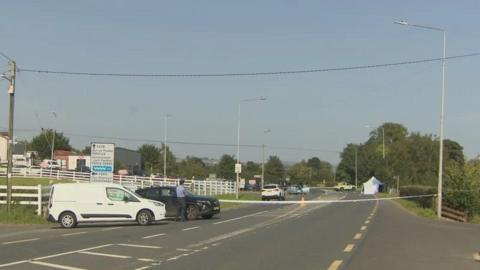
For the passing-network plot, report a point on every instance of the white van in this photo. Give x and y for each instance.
(70, 204)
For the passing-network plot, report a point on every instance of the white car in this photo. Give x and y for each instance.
(70, 204)
(273, 191)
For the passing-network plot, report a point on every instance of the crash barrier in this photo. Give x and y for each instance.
(453, 214)
(328, 201)
(36, 196)
(203, 187)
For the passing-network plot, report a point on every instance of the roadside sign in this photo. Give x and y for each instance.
(238, 168)
(101, 162)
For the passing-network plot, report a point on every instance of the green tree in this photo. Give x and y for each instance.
(250, 169)
(226, 167)
(193, 167)
(299, 172)
(172, 168)
(42, 143)
(150, 158)
(87, 150)
(274, 170)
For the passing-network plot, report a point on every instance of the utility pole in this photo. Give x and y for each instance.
(11, 92)
(398, 184)
(263, 166)
(356, 167)
(383, 136)
(52, 154)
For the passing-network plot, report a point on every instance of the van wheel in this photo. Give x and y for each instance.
(68, 220)
(144, 217)
(192, 212)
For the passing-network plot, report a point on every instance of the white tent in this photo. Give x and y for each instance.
(372, 186)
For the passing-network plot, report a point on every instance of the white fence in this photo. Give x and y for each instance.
(27, 195)
(203, 187)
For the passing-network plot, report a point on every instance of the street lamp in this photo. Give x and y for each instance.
(238, 166)
(165, 126)
(442, 108)
(263, 159)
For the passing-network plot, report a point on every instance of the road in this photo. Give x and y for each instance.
(361, 235)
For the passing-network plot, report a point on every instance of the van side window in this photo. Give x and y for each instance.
(116, 194)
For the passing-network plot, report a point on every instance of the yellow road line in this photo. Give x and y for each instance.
(348, 248)
(335, 265)
(363, 228)
(357, 236)
(367, 221)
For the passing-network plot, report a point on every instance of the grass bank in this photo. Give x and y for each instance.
(412, 206)
(245, 196)
(20, 214)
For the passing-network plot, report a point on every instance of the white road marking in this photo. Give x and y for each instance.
(138, 246)
(154, 235)
(75, 233)
(367, 221)
(363, 228)
(174, 258)
(335, 265)
(20, 241)
(146, 260)
(12, 263)
(191, 228)
(142, 268)
(215, 244)
(357, 236)
(109, 229)
(183, 249)
(57, 266)
(70, 252)
(233, 219)
(348, 248)
(105, 255)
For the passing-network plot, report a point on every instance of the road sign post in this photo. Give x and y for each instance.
(102, 162)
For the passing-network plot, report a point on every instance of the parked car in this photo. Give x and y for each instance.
(305, 189)
(273, 191)
(197, 206)
(342, 186)
(70, 204)
(84, 169)
(50, 164)
(294, 190)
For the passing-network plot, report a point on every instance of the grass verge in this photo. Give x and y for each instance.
(246, 196)
(20, 214)
(412, 207)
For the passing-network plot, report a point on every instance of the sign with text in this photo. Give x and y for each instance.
(101, 162)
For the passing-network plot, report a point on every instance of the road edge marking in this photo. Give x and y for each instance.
(20, 241)
(191, 228)
(57, 266)
(151, 236)
(139, 246)
(105, 254)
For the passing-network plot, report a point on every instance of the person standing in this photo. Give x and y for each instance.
(181, 204)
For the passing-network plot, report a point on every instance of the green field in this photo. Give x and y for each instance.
(20, 214)
(246, 196)
(412, 206)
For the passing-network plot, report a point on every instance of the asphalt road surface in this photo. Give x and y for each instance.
(361, 235)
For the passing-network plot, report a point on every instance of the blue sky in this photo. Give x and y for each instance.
(321, 111)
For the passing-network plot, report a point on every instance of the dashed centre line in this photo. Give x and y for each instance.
(367, 221)
(363, 228)
(335, 265)
(75, 233)
(357, 236)
(191, 228)
(151, 236)
(348, 248)
(139, 246)
(20, 241)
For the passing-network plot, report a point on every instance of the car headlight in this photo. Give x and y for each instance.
(203, 202)
(158, 204)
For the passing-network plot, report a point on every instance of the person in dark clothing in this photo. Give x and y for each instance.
(181, 206)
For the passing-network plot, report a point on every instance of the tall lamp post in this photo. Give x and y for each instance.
(442, 108)
(165, 126)
(238, 166)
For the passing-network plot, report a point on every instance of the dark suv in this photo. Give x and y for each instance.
(203, 206)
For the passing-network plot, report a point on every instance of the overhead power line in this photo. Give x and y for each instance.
(270, 73)
(188, 143)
